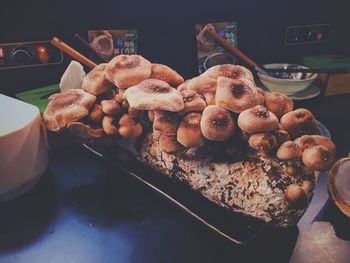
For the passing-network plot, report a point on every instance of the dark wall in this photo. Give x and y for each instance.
(166, 32)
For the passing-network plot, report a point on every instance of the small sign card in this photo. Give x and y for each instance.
(208, 52)
(110, 43)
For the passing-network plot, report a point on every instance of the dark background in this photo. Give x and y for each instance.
(166, 31)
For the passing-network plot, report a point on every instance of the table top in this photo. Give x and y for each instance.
(85, 210)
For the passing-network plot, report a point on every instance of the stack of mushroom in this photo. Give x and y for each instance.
(220, 108)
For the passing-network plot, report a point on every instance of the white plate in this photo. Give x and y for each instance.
(310, 92)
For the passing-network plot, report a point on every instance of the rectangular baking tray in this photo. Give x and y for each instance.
(235, 227)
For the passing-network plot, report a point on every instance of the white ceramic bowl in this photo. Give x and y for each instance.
(23, 152)
(286, 86)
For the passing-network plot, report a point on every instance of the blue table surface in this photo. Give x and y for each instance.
(84, 210)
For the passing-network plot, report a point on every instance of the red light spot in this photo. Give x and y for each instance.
(319, 36)
(41, 49)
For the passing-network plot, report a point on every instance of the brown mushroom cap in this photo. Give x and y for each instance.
(217, 123)
(289, 151)
(95, 81)
(96, 113)
(67, 106)
(170, 145)
(166, 74)
(183, 86)
(165, 122)
(235, 95)
(108, 125)
(84, 131)
(263, 142)
(299, 122)
(307, 141)
(189, 132)
(192, 101)
(278, 103)
(205, 86)
(325, 141)
(110, 107)
(295, 196)
(257, 119)
(153, 94)
(317, 158)
(128, 127)
(229, 71)
(126, 71)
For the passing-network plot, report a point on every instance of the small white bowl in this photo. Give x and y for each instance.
(286, 86)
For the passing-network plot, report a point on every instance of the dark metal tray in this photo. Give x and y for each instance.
(237, 228)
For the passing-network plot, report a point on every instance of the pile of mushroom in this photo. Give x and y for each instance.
(221, 103)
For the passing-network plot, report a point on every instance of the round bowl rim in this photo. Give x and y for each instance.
(278, 80)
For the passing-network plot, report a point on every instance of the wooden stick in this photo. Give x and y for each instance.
(210, 29)
(88, 48)
(72, 52)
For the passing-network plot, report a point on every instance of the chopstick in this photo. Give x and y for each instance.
(210, 29)
(310, 70)
(72, 52)
(88, 48)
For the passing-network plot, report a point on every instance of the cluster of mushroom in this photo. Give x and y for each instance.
(117, 97)
(101, 108)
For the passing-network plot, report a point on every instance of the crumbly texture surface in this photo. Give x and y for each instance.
(254, 187)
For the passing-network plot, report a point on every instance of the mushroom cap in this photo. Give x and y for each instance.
(295, 196)
(192, 101)
(189, 132)
(166, 74)
(278, 103)
(67, 106)
(289, 151)
(217, 123)
(325, 141)
(153, 94)
(257, 119)
(96, 113)
(317, 158)
(95, 81)
(170, 145)
(263, 142)
(299, 122)
(165, 122)
(126, 71)
(183, 86)
(229, 71)
(84, 131)
(110, 107)
(108, 125)
(307, 141)
(235, 95)
(205, 86)
(128, 128)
